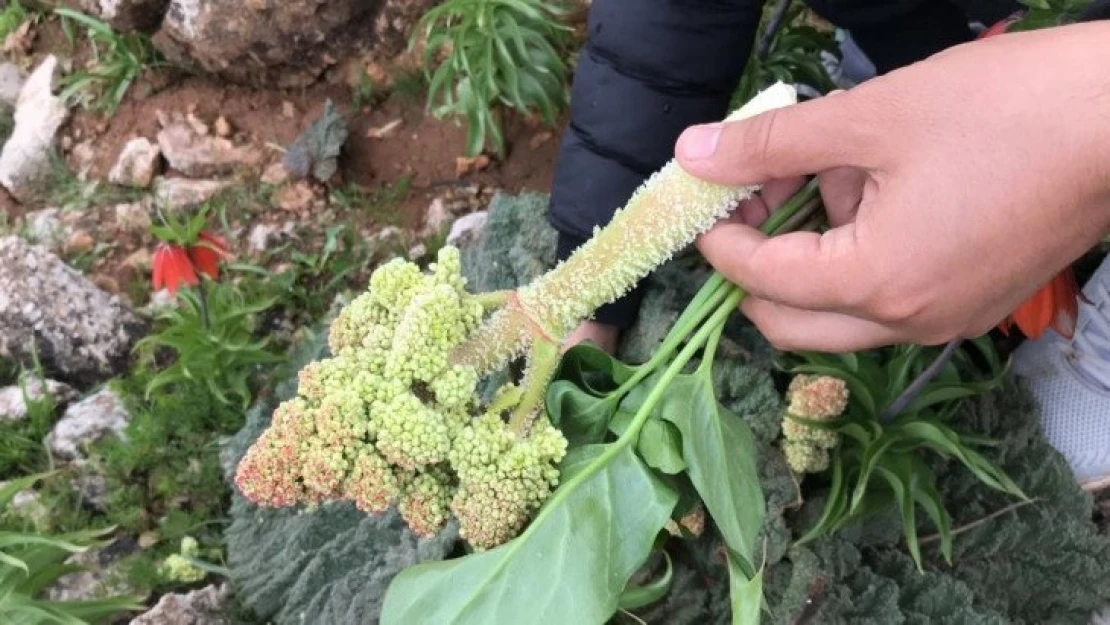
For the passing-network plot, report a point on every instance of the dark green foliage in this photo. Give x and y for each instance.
(316, 151)
(1041, 563)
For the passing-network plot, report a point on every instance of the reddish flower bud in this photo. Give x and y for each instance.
(171, 268)
(207, 254)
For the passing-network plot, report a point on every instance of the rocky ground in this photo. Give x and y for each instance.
(221, 124)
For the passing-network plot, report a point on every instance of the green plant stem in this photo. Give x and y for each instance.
(541, 367)
(202, 296)
(803, 204)
(914, 389)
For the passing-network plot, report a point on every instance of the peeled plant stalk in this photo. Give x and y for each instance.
(663, 216)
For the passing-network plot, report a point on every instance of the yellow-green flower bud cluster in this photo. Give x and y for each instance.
(387, 418)
(812, 398)
(425, 500)
(177, 567)
(503, 478)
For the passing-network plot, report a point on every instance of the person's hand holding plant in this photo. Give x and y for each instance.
(956, 188)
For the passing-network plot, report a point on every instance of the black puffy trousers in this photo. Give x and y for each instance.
(651, 68)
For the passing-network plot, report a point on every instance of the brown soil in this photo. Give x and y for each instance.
(421, 149)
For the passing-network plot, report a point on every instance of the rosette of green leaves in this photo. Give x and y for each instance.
(494, 53)
(789, 49)
(882, 459)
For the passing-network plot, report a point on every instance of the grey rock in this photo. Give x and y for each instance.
(183, 193)
(260, 236)
(46, 228)
(91, 488)
(122, 15)
(467, 228)
(11, 83)
(100, 575)
(134, 218)
(81, 334)
(437, 218)
(137, 164)
(13, 406)
(279, 43)
(206, 606)
(88, 421)
(25, 160)
(28, 505)
(197, 155)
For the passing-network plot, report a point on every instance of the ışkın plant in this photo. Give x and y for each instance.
(392, 416)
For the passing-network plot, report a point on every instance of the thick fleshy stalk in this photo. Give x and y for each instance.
(665, 215)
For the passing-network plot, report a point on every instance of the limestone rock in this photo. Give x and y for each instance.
(46, 228)
(467, 228)
(183, 193)
(82, 335)
(206, 606)
(280, 43)
(133, 217)
(88, 421)
(198, 155)
(25, 159)
(12, 404)
(137, 164)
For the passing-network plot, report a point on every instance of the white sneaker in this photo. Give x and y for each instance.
(1071, 381)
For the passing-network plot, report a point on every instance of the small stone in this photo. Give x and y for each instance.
(137, 261)
(437, 218)
(28, 504)
(133, 218)
(276, 174)
(223, 127)
(199, 156)
(539, 139)
(198, 126)
(297, 197)
(148, 539)
(46, 228)
(381, 132)
(259, 239)
(83, 157)
(288, 110)
(182, 193)
(467, 229)
(137, 164)
(417, 252)
(79, 242)
(88, 421)
(206, 606)
(12, 404)
(107, 283)
(92, 489)
(465, 165)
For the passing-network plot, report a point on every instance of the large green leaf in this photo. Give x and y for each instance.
(720, 456)
(581, 417)
(593, 370)
(570, 565)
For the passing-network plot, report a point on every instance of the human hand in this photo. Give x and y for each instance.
(956, 187)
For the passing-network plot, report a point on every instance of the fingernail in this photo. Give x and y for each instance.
(701, 141)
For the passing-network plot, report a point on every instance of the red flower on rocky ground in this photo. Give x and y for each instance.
(174, 265)
(1056, 304)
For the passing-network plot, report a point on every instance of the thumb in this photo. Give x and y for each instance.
(795, 140)
(806, 270)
